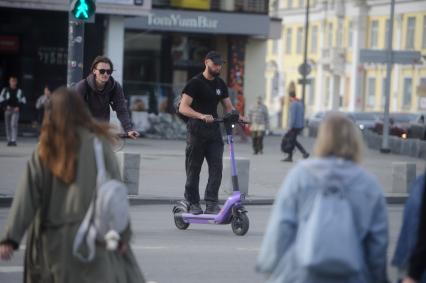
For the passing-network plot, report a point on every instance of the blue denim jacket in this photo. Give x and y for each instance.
(409, 230)
(297, 115)
(277, 255)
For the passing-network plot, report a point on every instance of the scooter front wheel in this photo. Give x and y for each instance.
(240, 224)
(180, 224)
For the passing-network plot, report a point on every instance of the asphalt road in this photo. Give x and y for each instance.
(203, 253)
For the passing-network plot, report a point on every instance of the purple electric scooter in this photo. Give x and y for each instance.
(232, 212)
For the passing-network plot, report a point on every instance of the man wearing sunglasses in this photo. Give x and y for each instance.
(100, 91)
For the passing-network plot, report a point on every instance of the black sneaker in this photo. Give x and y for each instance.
(9, 143)
(195, 209)
(212, 208)
(13, 144)
(306, 155)
(288, 159)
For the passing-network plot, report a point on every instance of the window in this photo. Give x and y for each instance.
(330, 35)
(289, 4)
(387, 33)
(327, 91)
(374, 34)
(371, 92)
(424, 32)
(408, 89)
(411, 28)
(288, 42)
(312, 92)
(350, 33)
(314, 39)
(299, 40)
(275, 45)
(301, 3)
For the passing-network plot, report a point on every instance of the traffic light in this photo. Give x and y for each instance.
(83, 10)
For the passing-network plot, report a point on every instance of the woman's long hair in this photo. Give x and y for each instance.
(59, 141)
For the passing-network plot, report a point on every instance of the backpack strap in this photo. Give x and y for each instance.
(100, 162)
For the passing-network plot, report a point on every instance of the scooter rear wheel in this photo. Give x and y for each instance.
(240, 224)
(180, 224)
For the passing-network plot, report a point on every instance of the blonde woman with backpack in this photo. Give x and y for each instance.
(329, 221)
(54, 196)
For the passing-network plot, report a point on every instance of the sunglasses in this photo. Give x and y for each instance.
(103, 71)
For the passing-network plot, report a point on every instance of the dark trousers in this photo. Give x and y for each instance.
(257, 139)
(203, 142)
(293, 137)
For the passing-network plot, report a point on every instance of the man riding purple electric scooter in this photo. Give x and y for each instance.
(233, 212)
(198, 107)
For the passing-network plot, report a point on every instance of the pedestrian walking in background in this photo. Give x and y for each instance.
(13, 99)
(55, 193)
(410, 252)
(259, 125)
(329, 221)
(296, 125)
(100, 92)
(41, 103)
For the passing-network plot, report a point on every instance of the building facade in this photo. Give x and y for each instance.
(338, 30)
(155, 45)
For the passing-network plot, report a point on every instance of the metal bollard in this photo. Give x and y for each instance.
(243, 167)
(403, 174)
(129, 165)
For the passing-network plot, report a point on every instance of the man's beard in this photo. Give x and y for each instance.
(213, 73)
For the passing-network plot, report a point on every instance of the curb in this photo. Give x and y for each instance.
(6, 201)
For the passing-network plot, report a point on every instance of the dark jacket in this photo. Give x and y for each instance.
(408, 236)
(99, 101)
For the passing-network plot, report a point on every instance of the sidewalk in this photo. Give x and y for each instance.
(162, 175)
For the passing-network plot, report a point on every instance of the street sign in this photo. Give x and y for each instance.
(304, 69)
(398, 57)
(83, 10)
(302, 81)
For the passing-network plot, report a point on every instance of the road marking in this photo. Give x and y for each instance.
(147, 247)
(249, 249)
(10, 269)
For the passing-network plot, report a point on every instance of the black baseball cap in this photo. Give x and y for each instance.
(215, 57)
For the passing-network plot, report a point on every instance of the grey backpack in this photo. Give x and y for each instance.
(327, 240)
(108, 213)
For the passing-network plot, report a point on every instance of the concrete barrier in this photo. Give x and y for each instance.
(243, 170)
(409, 147)
(129, 165)
(403, 174)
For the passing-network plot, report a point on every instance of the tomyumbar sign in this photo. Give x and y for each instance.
(201, 22)
(176, 20)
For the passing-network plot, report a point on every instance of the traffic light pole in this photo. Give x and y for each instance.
(385, 142)
(305, 51)
(75, 50)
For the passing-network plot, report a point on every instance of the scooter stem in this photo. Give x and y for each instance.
(234, 176)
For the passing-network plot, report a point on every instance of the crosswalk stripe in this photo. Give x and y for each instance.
(11, 269)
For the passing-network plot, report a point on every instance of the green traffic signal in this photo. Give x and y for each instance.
(83, 9)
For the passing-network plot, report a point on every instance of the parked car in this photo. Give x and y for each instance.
(313, 123)
(399, 123)
(364, 120)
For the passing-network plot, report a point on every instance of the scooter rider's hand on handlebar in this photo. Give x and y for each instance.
(133, 134)
(207, 118)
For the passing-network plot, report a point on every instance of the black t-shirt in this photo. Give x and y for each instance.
(206, 94)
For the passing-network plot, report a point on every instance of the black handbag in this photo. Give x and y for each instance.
(287, 143)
